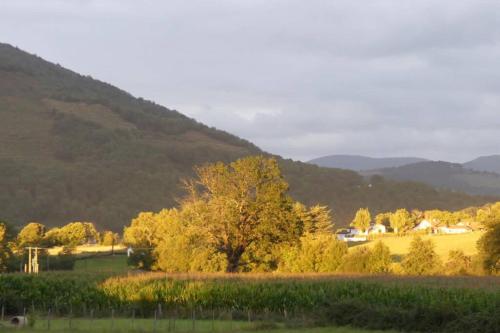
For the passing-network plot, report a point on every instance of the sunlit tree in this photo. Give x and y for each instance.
(421, 259)
(31, 235)
(362, 219)
(244, 202)
(400, 220)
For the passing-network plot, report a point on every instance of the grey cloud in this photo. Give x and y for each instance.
(299, 78)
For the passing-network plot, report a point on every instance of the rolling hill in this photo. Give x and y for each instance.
(444, 175)
(485, 163)
(74, 148)
(361, 163)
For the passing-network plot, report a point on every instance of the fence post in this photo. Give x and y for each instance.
(48, 320)
(91, 318)
(112, 319)
(175, 317)
(154, 322)
(231, 319)
(213, 320)
(193, 319)
(70, 324)
(133, 319)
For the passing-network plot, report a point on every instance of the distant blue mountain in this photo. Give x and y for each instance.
(362, 163)
(485, 163)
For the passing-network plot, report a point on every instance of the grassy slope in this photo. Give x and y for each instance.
(74, 148)
(443, 243)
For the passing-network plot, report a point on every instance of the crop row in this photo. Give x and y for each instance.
(331, 300)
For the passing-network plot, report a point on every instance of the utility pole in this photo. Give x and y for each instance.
(33, 265)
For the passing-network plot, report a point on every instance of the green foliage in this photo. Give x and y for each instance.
(77, 233)
(5, 250)
(316, 219)
(362, 219)
(446, 218)
(458, 263)
(383, 219)
(181, 247)
(489, 244)
(109, 238)
(489, 248)
(401, 220)
(241, 204)
(319, 252)
(421, 258)
(31, 235)
(361, 259)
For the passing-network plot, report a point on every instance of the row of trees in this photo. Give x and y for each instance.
(238, 217)
(402, 221)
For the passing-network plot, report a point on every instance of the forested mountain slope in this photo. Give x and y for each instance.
(445, 175)
(74, 148)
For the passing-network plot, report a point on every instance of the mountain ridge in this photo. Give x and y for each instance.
(360, 163)
(74, 148)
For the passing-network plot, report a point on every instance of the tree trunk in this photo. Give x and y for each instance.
(233, 259)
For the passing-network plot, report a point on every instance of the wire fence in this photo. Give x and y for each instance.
(161, 319)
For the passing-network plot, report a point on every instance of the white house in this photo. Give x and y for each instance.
(377, 229)
(351, 235)
(423, 225)
(455, 229)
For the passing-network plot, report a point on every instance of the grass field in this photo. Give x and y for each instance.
(443, 243)
(179, 326)
(103, 264)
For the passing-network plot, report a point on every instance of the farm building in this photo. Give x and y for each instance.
(351, 235)
(423, 225)
(377, 229)
(455, 229)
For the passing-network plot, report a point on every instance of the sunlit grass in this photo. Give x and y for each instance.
(399, 245)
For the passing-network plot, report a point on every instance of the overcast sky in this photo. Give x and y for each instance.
(298, 78)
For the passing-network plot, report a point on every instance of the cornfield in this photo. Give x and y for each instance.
(347, 301)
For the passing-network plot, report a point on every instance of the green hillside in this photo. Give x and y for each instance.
(74, 148)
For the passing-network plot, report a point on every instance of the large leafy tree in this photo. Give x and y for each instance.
(400, 220)
(489, 244)
(362, 219)
(31, 235)
(5, 250)
(242, 204)
(78, 233)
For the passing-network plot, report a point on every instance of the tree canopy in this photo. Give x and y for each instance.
(362, 219)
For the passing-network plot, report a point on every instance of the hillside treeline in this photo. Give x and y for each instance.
(239, 218)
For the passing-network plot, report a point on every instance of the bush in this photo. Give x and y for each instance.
(421, 258)
(314, 253)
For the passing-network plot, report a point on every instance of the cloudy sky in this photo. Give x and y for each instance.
(298, 78)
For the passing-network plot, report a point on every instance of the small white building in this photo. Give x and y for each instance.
(455, 229)
(351, 235)
(377, 229)
(423, 225)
